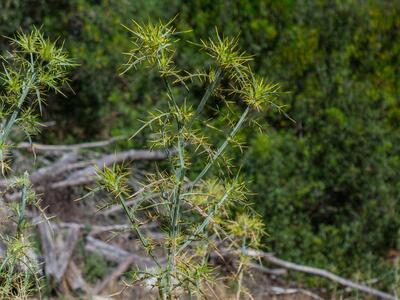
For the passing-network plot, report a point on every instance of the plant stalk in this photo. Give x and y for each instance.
(10, 123)
(222, 147)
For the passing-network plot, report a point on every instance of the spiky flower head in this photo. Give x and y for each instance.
(249, 228)
(113, 180)
(35, 63)
(152, 44)
(227, 54)
(257, 92)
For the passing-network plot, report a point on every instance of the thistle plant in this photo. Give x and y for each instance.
(33, 67)
(201, 214)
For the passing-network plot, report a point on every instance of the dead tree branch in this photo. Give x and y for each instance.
(74, 147)
(319, 272)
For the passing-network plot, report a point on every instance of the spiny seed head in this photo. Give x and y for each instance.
(248, 227)
(207, 194)
(152, 44)
(257, 92)
(28, 121)
(226, 52)
(113, 180)
(33, 53)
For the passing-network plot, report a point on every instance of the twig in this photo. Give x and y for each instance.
(86, 175)
(57, 255)
(275, 272)
(117, 207)
(277, 290)
(68, 249)
(74, 278)
(116, 254)
(96, 229)
(74, 147)
(118, 271)
(319, 272)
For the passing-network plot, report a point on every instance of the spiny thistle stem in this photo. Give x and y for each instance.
(21, 210)
(10, 123)
(221, 149)
(136, 229)
(207, 220)
(180, 174)
(240, 270)
(206, 96)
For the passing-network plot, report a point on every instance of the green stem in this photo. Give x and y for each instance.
(137, 230)
(21, 210)
(206, 96)
(222, 147)
(240, 269)
(207, 220)
(10, 123)
(180, 173)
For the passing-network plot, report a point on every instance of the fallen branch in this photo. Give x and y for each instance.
(74, 278)
(277, 290)
(319, 272)
(57, 253)
(96, 229)
(41, 174)
(274, 272)
(74, 147)
(118, 271)
(45, 178)
(87, 175)
(117, 207)
(116, 254)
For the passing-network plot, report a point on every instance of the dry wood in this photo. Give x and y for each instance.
(117, 207)
(277, 290)
(116, 254)
(74, 147)
(74, 278)
(319, 272)
(274, 272)
(57, 253)
(46, 178)
(40, 175)
(96, 229)
(47, 244)
(68, 247)
(87, 175)
(114, 275)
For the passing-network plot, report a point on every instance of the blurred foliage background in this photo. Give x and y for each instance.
(328, 185)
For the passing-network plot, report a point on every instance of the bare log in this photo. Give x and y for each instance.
(96, 229)
(117, 207)
(43, 179)
(41, 174)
